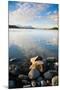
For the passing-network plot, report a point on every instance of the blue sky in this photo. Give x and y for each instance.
(33, 14)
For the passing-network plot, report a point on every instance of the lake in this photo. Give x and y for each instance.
(26, 43)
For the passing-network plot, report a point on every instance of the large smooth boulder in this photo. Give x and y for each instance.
(33, 74)
(49, 74)
(39, 65)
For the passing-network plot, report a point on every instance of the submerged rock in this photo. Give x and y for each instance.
(33, 74)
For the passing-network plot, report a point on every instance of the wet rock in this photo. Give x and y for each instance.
(55, 81)
(56, 65)
(51, 59)
(26, 86)
(49, 74)
(25, 82)
(43, 83)
(12, 84)
(33, 59)
(23, 77)
(37, 58)
(14, 69)
(39, 65)
(33, 83)
(33, 74)
(48, 82)
(39, 79)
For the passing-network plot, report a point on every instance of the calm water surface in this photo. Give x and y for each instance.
(28, 43)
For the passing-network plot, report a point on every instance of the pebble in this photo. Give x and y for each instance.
(33, 83)
(23, 77)
(26, 86)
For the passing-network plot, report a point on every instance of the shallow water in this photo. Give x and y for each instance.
(32, 42)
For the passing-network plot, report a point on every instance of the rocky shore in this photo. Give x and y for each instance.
(36, 72)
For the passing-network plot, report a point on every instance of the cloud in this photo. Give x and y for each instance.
(27, 13)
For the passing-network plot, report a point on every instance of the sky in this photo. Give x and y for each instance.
(41, 15)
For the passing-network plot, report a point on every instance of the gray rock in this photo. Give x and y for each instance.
(33, 83)
(49, 74)
(11, 84)
(56, 65)
(25, 82)
(33, 74)
(26, 86)
(23, 77)
(51, 59)
(39, 79)
(43, 83)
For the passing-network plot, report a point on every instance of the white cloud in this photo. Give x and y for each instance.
(27, 13)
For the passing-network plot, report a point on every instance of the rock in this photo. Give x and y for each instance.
(55, 81)
(14, 69)
(51, 59)
(39, 79)
(49, 74)
(12, 84)
(39, 65)
(26, 86)
(56, 65)
(38, 83)
(43, 83)
(23, 77)
(25, 82)
(48, 82)
(33, 83)
(33, 59)
(33, 74)
(37, 58)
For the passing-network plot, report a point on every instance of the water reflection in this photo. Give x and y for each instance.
(29, 43)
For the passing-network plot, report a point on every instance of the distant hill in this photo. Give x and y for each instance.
(13, 26)
(55, 28)
(21, 27)
(30, 27)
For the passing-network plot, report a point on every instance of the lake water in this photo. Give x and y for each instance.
(26, 43)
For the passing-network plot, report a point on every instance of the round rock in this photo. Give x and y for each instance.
(49, 74)
(33, 83)
(55, 81)
(33, 74)
(23, 77)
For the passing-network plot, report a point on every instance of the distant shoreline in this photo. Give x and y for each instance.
(27, 27)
